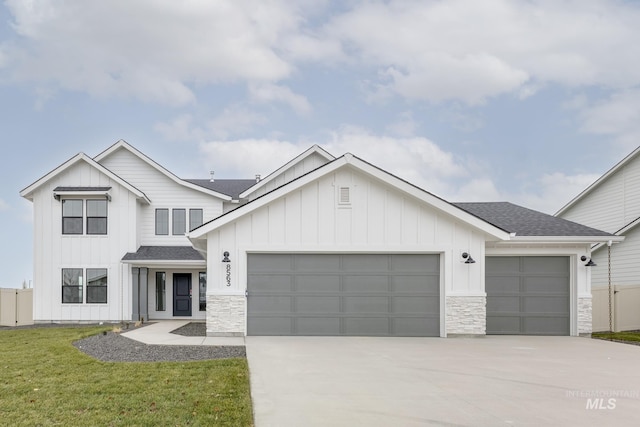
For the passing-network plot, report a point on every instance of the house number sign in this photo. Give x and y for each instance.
(228, 274)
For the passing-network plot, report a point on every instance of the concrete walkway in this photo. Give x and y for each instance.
(159, 333)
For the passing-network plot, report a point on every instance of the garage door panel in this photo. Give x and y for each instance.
(317, 304)
(533, 299)
(416, 284)
(344, 294)
(317, 325)
(317, 283)
(271, 283)
(270, 262)
(365, 284)
(416, 304)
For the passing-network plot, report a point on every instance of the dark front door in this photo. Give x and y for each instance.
(182, 294)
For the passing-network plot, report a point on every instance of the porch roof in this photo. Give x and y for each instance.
(164, 255)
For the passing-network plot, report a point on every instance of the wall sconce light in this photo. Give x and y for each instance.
(590, 263)
(467, 258)
(226, 257)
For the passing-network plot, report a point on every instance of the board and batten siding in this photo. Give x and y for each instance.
(163, 192)
(54, 251)
(379, 219)
(304, 166)
(613, 204)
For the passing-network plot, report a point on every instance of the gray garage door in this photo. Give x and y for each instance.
(354, 294)
(527, 295)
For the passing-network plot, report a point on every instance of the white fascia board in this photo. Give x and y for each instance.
(158, 167)
(27, 192)
(566, 239)
(599, 181)
(367, 168)
(314, 149)
(165, 263)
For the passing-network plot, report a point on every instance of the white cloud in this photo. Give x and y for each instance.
(234, 120)
(618, 116)
(404, 125)
(180, 128)
(268, 93)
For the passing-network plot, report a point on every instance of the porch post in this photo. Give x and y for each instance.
(135, 291)
(143, 294)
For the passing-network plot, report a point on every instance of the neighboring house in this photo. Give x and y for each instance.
(322, 246)
(612, 204)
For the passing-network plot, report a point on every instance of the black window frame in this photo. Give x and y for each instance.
(78, 219)
(202, 290)
(105, 218)
(67, 289)
(161, 291)
(101, 284)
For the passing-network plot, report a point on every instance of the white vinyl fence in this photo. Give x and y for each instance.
(625, 308)
(16, 307)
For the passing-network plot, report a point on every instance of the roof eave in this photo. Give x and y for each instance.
(165, 262)
(566, 239)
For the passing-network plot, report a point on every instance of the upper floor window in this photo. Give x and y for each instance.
(195, 218)
(179, 222)
(162, 222)
(72, 216)
(96, 217)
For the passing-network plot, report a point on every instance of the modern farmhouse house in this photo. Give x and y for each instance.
(322, 246)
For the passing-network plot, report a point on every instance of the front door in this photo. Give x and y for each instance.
(182, 294)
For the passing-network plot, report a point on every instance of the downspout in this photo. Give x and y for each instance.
(610, 295)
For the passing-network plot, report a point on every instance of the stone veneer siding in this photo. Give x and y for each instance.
(585, 316)
(225, 315)
(466, 315)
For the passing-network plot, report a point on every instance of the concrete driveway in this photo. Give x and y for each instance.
(490, 381)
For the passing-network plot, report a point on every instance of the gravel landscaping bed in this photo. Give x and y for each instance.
(114, 347)
(192, 329)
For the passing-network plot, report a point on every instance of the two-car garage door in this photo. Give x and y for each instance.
(344, 294)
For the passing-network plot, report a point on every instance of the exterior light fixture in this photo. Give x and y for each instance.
(226, 257)
(467, 257)
(590, 263)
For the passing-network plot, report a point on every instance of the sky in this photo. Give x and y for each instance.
(520, 101)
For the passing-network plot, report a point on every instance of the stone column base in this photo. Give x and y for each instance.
(225, 315)
(466, 315)
(585, 319)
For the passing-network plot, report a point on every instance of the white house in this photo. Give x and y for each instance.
(612, 204)
(322, 246)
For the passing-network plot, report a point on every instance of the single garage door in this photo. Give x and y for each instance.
(343, 294)
(527, 295)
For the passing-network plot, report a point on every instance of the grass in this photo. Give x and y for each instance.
(45, 381)
(633, 336)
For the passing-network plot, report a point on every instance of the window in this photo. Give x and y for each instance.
(179, 222)
(96, 285)
(71, 216)
(203, 291)
(72, 286)
(162, 222)
(195, 218)
(161, 280)
(96, 217)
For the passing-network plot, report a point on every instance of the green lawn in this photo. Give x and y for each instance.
(45, 381)
(622, 336)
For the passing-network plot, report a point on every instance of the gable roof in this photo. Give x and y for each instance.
(315, 149)
(599, 181)
(122, 144)
(365, 167)
(81, 157)
(230, 187)
(527, 223)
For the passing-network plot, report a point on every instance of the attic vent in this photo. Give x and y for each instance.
(344, 196)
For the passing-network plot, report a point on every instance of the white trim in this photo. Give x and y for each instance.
(27, 192)
(123, 144)
(355, 162)
(164, 263)
(84, 194)
(314, 149)
(566, 239)
(599, 181)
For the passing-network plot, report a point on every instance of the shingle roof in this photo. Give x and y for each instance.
(230, 187)
(526, 222)
(164, 253)
(82, 189)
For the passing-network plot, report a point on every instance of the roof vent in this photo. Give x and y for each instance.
(211, 173)
(257, 178)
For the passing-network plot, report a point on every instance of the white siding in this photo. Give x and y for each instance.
(613, 204)
(379, 219)
(54, 251)
(624, 262)
(304, 166)
(163, 192)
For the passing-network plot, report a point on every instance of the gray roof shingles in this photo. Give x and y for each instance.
(164, 253)
(526, 222)
(230, 187)
(82, 189)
